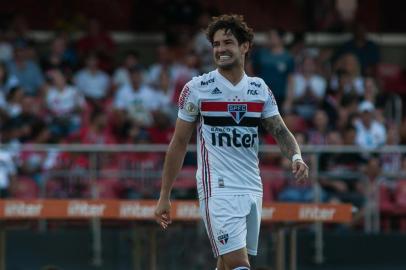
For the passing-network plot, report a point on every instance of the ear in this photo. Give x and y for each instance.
(245, 47)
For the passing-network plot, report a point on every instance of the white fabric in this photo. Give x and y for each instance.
(12, 81)
(135, 102)
(127, 96)
(357, 85)
(227, 153)
(232, 222)
(121, 77)
(372, 137)
(92, 85)
(316, 83)
(6, 52)
(65, 101)
(7, 168)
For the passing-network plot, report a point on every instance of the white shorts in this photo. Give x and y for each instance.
(232, 222)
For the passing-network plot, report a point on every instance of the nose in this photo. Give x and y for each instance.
(221, 48)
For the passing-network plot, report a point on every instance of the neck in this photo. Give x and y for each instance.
(234, 75)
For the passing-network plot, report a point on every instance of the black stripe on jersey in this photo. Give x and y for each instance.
(229, 121)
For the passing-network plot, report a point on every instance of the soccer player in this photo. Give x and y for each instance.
(227, 107)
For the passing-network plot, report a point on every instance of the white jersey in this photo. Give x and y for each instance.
(227, 136)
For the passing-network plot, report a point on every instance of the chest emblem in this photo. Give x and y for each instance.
(237, 111)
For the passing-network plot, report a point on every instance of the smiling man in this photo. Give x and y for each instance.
(227, 107)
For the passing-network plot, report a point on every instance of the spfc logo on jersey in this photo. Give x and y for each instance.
(222, 237)
(237, 111)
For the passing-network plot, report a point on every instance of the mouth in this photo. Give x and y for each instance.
(224, 57)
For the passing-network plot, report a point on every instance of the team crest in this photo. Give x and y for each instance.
(222, 237)
(237, 111)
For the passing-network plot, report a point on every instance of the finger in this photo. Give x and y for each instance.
(304, 175)
(166, 217)
(301, 172)
(294, 167)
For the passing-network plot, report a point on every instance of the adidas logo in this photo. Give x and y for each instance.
(216, 91)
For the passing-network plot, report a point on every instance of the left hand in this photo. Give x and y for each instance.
(300, 170)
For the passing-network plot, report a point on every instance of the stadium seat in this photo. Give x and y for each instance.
(186, 178)
(25, 188)
(400, 200)
(106, 188)
(273, 181)
(392, 78)
(387, 207)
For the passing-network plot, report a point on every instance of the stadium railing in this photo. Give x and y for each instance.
(91, 174)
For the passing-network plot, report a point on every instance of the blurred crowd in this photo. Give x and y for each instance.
(79, 91)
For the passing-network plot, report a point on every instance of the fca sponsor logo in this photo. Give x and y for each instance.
(234, 139)
(252, 92)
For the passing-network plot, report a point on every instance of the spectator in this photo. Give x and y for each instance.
(122, 75)
(98, 130)
(391, 162)
(7, 173)
(162, 130)
(65, 103)
(370, 133)
(7, 81)
(275, 65)
(6, 49)
(27, 71)
(341, 171)
(163, 93)
(92, 81)
(133, 99)
(308, 89)
(164, 62)
(371, 90)
(348, 79)
(97, 41)
(60, 56)
(364, 49)
(318, 134)
(202, 46)
(34, 162)
(14, 101)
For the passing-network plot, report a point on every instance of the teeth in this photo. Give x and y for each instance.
(224, 57)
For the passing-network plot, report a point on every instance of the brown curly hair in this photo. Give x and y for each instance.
(231, 23)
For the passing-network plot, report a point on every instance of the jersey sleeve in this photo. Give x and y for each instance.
(270, 106)
(188, 104)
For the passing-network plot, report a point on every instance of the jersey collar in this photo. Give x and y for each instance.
(240, 85)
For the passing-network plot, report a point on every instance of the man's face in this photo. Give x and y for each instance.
(226, 51)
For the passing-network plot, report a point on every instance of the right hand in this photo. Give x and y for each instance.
(163, 213)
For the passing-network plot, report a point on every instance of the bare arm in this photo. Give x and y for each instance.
(172, 165)
(288, 145)
(175, 155)
(282, 135)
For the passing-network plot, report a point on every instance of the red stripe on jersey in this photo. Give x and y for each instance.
(209, 106)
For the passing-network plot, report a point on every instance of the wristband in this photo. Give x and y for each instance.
(296, 157)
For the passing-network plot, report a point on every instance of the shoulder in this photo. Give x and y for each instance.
(202, 82)
(259, 84)
(256, 82)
